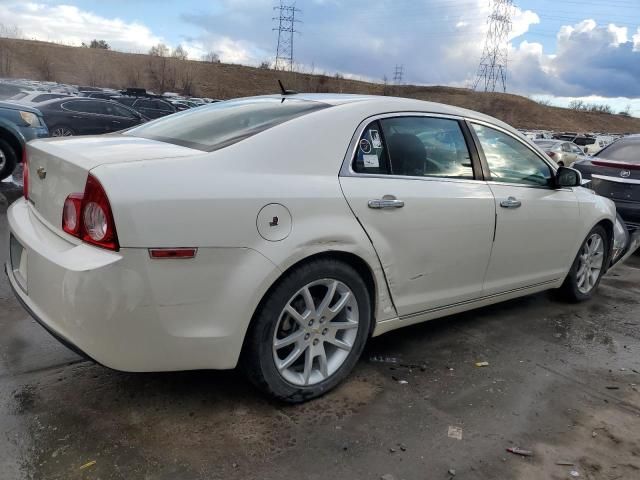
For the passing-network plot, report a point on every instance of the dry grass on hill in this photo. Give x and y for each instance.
(86, 66)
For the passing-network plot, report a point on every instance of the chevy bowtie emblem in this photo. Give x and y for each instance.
(625, 173)
(42, 173)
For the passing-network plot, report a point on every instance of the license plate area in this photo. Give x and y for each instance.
(18, 261)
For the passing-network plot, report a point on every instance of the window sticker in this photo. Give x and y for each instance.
(365, 146)
(375, 139)
(370, 161)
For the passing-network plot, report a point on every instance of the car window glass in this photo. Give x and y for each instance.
(425, 146)
(118, 111)
(566, 147)
(624, 150)
(219, 125)
(126, 101)
(371, 156)
(160, 105)
(83, 107)
(510, 161)
(143, 103)
(576, 149)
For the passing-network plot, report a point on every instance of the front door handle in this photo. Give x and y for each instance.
(386, 203)
(511, 202)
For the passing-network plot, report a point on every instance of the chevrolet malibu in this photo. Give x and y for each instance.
(279, 233)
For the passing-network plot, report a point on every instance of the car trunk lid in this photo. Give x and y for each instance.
(616, 180)
(59, 167)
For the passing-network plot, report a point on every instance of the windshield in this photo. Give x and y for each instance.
(221, 124)
(624, 150)
(547, 144)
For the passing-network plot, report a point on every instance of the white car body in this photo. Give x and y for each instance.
(450, 249)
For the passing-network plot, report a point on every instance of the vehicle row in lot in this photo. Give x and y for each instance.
(281, 232)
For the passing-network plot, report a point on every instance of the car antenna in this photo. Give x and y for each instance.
(284, 91)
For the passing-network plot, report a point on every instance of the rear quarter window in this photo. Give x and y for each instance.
(221, 124)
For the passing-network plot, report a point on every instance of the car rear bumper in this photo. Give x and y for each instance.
(129, 312)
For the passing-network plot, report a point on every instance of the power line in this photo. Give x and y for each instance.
(286, 28)
(398, 74)
(493, 63)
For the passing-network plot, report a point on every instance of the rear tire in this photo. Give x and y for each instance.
(588, 267)
(8, 159)
(309, 331)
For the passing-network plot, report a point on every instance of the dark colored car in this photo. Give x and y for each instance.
(102, 95)
(87, 116)
(615, 173)
(18, 125)
(150, 107)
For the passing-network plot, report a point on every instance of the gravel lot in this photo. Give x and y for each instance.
(561, 382)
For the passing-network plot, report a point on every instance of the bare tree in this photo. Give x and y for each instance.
(187, 79)
(179, 53)
(44, 65)
(211, 57)
(160, 68)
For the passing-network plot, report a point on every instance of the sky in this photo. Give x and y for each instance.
(558, 49)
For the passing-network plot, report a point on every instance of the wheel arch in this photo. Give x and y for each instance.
(355, 261)
(14, 141)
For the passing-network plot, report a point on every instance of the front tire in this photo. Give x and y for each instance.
(309, 332)
(588, 267)
(62, 131)
(8, 159)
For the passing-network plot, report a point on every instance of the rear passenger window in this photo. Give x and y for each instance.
(425, 146)
(371, 156)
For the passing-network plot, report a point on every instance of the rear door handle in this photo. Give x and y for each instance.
(380, 203)
(511, 202)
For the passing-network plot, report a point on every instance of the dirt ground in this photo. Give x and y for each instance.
(562, 381)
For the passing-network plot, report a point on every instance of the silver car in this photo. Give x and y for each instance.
(561, 152)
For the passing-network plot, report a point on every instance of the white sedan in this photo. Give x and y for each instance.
(281, 232)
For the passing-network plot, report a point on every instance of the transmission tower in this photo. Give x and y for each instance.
(493, 64)
(397, 74)
(286, 28)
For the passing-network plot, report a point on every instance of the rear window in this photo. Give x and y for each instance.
(221, 124)
(624, 150)
(546, 144)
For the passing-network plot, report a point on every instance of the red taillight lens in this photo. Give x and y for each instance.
(88, 216)
(551, 154)
(25, 174)
(71, 213)
(613, 164)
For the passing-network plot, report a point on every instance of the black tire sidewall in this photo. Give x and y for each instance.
(570, 285)
(259, 363)
(11, 159)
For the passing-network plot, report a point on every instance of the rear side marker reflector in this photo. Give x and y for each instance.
(166, 253)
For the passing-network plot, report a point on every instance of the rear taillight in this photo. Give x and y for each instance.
(25, 174)
(88, 216)
(552, 154)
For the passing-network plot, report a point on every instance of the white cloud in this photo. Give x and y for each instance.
(70, 25)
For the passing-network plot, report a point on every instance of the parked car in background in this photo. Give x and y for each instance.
(183, 104)
(615, 173)
(561, 152)
(87, 116)
(8, 90)
(18, 125)
(36, 97)
(281, 232)
(149, 106)
(102, 94)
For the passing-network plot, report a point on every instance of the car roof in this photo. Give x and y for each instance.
(380, 104)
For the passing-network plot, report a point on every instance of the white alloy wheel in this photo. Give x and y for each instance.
(315, 332)
(591, 261)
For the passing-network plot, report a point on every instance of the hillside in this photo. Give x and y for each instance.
(84, 66)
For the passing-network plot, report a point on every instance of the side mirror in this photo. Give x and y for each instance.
(568, 177)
